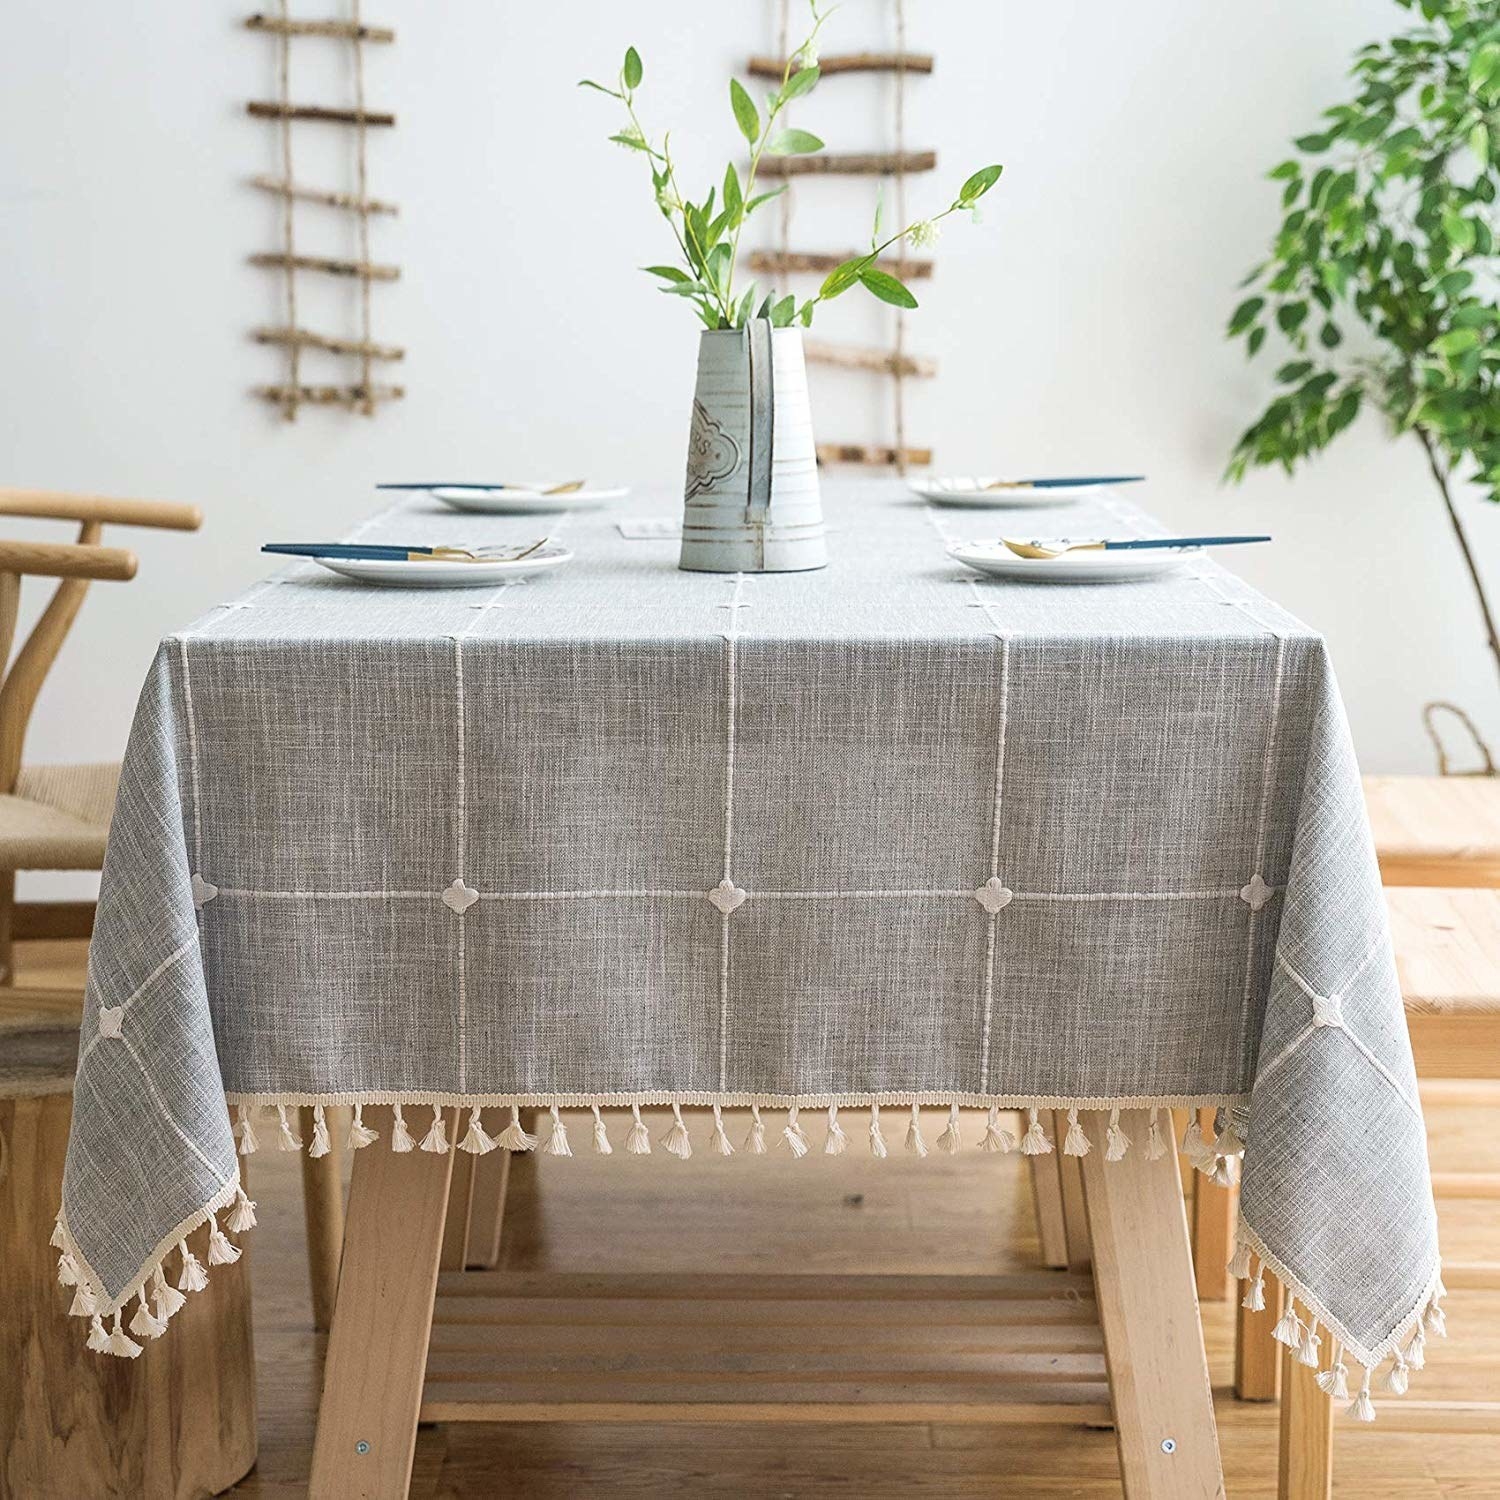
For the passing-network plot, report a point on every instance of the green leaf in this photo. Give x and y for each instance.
(805, 316)
(717, 267)
(1479, 143)
(1288, 374)
(793, 143)
(783, 312)
(745, 113)
(1313, 144)
(632, 72)
(588, 83)
(623, 138)
(1456, 341)
(760, 198)
(1329, 336)
(841, 278)
(667, 273)
(742, 312)
(886, 287)
(1484, 65)
(800, 83)
(1290, 316)
(1257, 338)
(1284, 171)
(1245, 314)
(733, 201)
(979, 184)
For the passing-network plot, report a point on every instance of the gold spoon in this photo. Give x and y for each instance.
(1130, 544)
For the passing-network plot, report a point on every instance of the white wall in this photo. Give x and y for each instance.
(1079, 327)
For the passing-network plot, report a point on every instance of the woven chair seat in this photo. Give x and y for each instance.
(58, 818)
(1447, 951)
(37, 1057)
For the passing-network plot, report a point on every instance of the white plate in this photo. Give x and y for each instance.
(972, 492)
(519, 501)
(1072, 567)
(430, 573)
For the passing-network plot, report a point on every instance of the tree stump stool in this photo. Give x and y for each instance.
(76, 1425)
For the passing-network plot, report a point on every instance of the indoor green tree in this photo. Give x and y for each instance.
(1382, 278)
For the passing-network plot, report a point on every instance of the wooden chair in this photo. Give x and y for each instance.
(57, 817)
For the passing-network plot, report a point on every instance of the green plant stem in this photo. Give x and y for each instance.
(1440, 476)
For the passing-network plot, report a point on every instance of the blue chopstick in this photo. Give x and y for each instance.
(1050, 484)
(343, 549)
(1182, 541)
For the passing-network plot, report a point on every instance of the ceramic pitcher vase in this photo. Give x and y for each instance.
(751, 503)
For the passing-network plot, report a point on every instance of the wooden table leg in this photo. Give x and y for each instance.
(487, 1210)
(1074, 1214)
(1046, 1195)
(1305, 1471)
(1213, 1228)
(323, 1213)
(377, 1350)
(458, 1221)
(1257, 1356)
(1148, 1309)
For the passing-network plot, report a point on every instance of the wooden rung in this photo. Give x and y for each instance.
(958, 1412)
(277, 260)
(871, 453)
(328, 395)
(848, 62)
(865, 164)
(302, 339)
(795, 1361)
(1405, 1415)
(349, 30)
(1465, 1275)
(270, 110)
(318, 195)
(816, 263)
(1466, 1184)
(857, 357)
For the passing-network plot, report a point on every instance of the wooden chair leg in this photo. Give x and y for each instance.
(1213, 1229)
(377, 1350)
(1046, 1195)
(1305, 1470)
(458, 1221)
(323, 1213)
(1148, 1310)
(1074, 1214)
(487, 1210)
(1257, 1356)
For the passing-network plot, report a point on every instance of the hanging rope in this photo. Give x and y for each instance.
(784, 206)
(1429, 723)
(284, 83)
(899, 389)
(367, 405)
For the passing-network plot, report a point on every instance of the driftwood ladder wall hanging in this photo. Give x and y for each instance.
(304, 346)
(893, 362)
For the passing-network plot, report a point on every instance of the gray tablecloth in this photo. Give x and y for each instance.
(888, 833)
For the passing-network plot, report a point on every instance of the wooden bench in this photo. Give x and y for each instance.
(1436, 830)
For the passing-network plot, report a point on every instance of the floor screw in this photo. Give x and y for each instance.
(1169, 1445)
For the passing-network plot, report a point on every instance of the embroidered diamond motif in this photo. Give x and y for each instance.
(204, 891)
(460, 897)
(111, 1018)
(727, 896)
(993, 895)
(1328, 1010)
(1257, 893)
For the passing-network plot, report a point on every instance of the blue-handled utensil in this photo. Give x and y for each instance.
(468, 484)
(1059, 545)
(394, 553)
(1062, 484)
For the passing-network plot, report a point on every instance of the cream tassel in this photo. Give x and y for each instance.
(1334, 1382)
(1288, 1329)
(755, 1142)
(220, 1251)
(145, 1324)
(400, 1136)
(949, 1140)
(1311, 1343)
(436, 1139)
(877, 1140)
(1075, 1143)
(120, 1344)
(360, 1134)
(290, 1141)
(513, 1138)
(1197, 1149)
(477, 1140)
(1434, 1321)
(601, 1136)
(638, 1142)
(244, 1131)
(58, 1242)
(1156, 1147)
(1396, 1377)
(1035, 1142)
(1255, 1293)
(1229, 1142)
(321, 1145)
(794, 1136)
(169, 1301)
(557, 1137)
(83, 1305)
(1416, 1350)
(193, 1278)
(996, 1137)
(836, 1142)
(721, 1142)
(242, 1215)
(1116, 1142)
(915, 1145)
(1239, 1266)
(676, 1142)
(67, 1270)
(98, 1338)
(1362, 1409)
